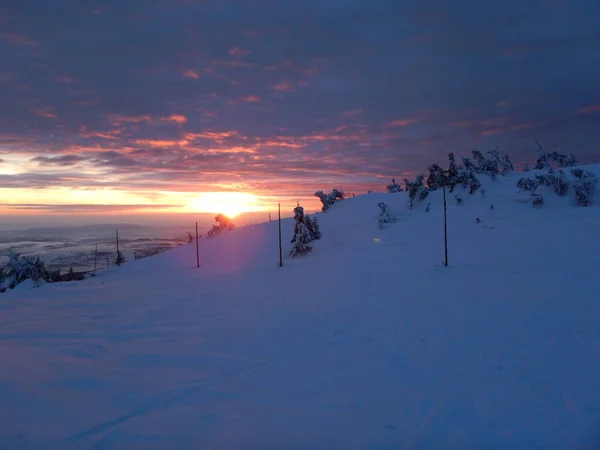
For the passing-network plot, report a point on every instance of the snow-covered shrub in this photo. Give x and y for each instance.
(303, 234)
(329, 199)
(563, 160)
(428, 207)
(527, 184)
(542, 160)
(301, 240)
(459, 199)
(557, 181)
(435, 178)
(19, 269)
(313, 227)
(393, 188)
(416, 189)
(506, 164)
(224, 223)
(527, 168)
(584, 186)
(536, 199)
(385, 215)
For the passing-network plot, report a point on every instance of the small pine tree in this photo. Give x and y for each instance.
(584, 187)
(542, 160)
(435, 178)
(313, 227)
(71, 274)
(393, 188)
(527, 184)
(385, 215)
(330, 199)
(301, 240)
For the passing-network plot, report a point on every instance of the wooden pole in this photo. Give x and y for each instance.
(197, 251)
(118, 253)
(445, 230)
(107, 261)
(96, 258)
(280, 251)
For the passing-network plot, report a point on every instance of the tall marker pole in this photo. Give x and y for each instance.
(280, 251)
(197, 251)
(445, 230)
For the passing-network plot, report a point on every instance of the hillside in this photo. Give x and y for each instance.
(366, 342)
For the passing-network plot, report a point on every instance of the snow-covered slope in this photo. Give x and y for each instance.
(368, 342)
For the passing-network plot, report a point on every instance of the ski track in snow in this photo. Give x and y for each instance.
(367, 342)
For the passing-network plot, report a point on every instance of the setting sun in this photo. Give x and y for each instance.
(231, 204)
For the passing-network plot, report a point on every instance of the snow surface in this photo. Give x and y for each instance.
(367, 342)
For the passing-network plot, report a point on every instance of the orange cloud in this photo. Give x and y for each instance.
(400, 122)
(490, 132)
(161, 143)
(238, 52)
(18, 39)
(191, 74)
(45, 112)
(283, 87)
(352, 112)
(588, 109)
(117, 119)
(177, 118)
(251, 99)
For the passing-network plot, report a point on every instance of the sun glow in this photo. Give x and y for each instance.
(231, 204)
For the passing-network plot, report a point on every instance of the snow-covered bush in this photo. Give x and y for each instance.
(459, 199)
(329, 199)
(536, 199)
(385, 215)
(393, 188)
(313, 227)
(19, 269)
(306, 230)
(527, 184)
(301, 240)
(542, 160)
(416, 189)
(435, 178)
(584, 186)
(224, 223)
(563, 160)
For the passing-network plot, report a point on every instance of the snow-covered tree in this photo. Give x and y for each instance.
(301, 240)
(542, 160)
(584, 187)
(19, 269)
(527, 168)
(385, 215)
(306, 230)
(527, 184)
(536, 199)
(563, 160)
(312, 224)
(329, 199)
(435, 178)
(506, 164)
(224, 223)
(416, 189)
(393, 188)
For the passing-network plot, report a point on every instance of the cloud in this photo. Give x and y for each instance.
(45, 112)
(176, 118)
(352, 112)
(190, 74)
(238, 52)
(176, 95)
(400, 122)
(19, 39)
(64, 160)
(283, 87)
(588, 109)
(251, 99)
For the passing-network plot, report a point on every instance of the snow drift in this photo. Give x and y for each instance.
(367, 341)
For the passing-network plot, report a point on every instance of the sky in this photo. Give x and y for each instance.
(136, 107)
